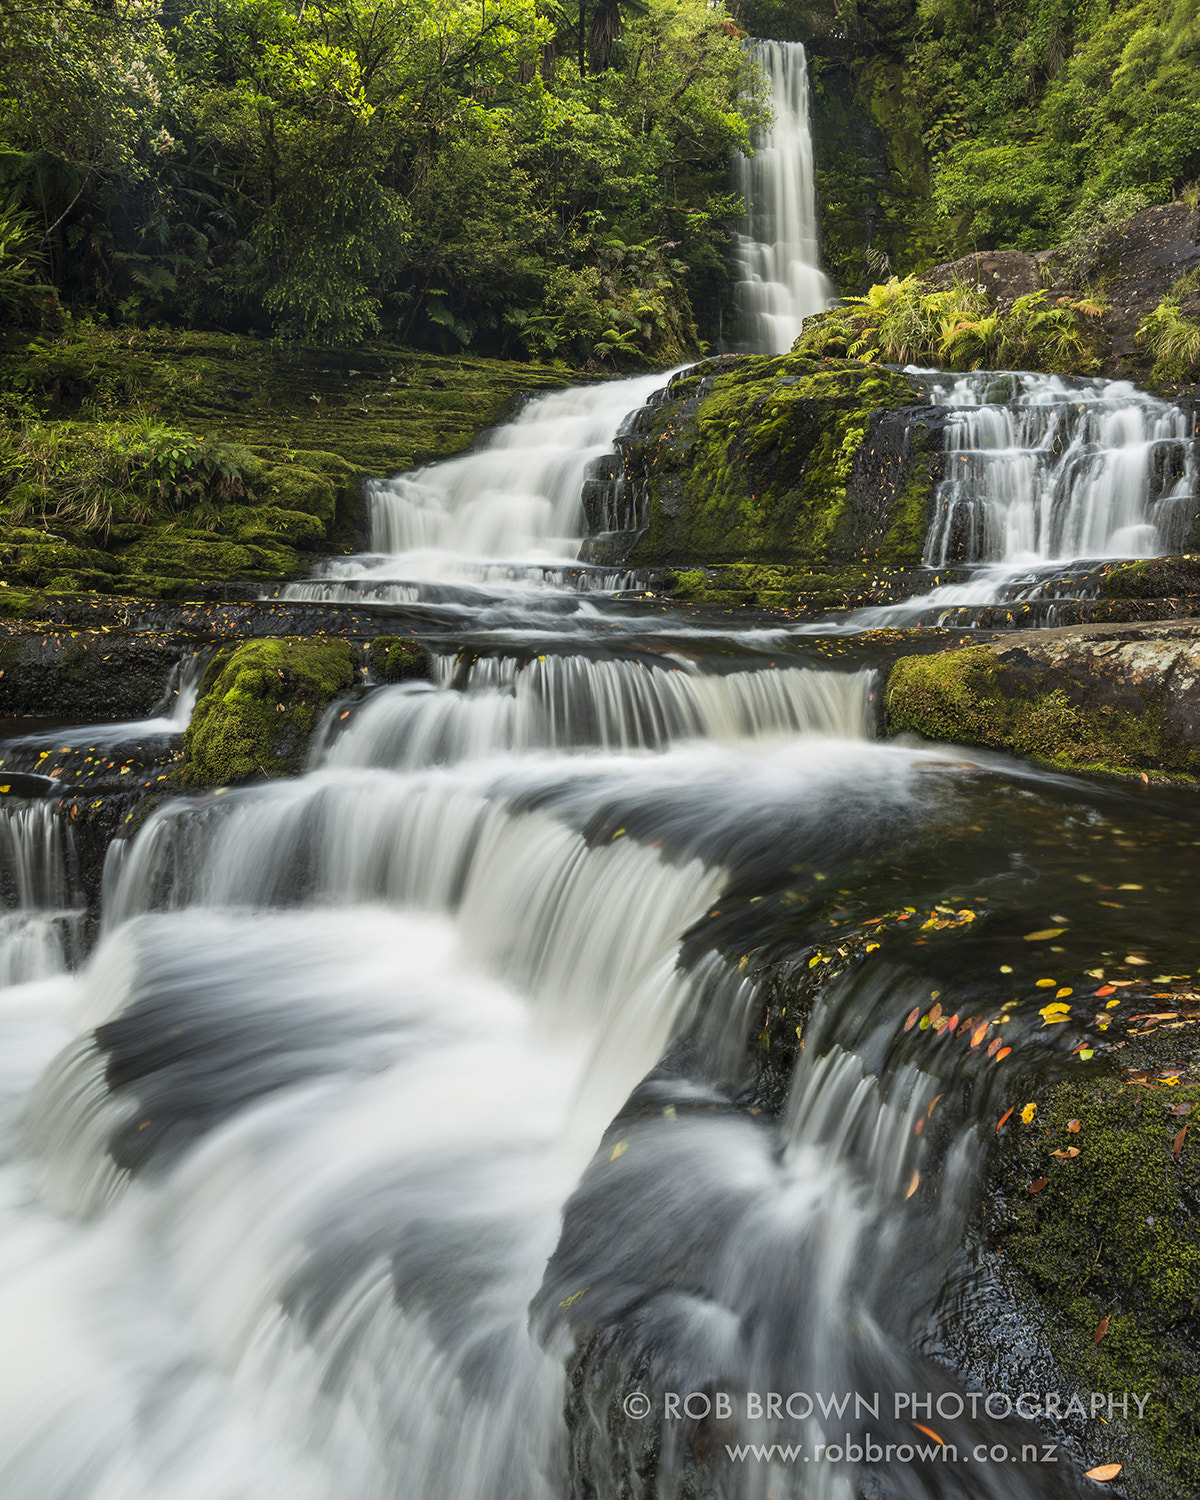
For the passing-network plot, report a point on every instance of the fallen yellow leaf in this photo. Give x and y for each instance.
(1028, 1113)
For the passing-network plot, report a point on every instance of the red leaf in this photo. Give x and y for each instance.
(1101, 1328)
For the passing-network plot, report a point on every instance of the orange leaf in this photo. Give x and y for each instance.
(912, 1018)
(1106, 1471)
(980, 1032)
(1107, 990)
(1038, 1184)
(1177, 1144)
(914, 1184)
(1005, 1116)
(935, 1015)
(929, 1432)
(1101, 1328)
(1003, 1053)
(1073, 1126)
(1066, 1155)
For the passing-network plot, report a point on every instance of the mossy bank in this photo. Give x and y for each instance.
(146, 461)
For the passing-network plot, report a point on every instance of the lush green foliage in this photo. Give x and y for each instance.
(86, 475)
(534, 176)
(956, 328)
(946, 126)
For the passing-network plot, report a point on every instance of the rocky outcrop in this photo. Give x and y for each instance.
(780, 461)
(1118, 699)
(258, 706)
(1131, 265)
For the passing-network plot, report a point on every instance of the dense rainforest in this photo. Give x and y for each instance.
(529, 178)
(538, 179)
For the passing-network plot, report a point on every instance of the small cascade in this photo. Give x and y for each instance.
(578, 702)
(41, 916)
(517, 496)
(776, 256)
(1054, 472)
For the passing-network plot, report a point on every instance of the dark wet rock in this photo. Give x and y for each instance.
(83, 676)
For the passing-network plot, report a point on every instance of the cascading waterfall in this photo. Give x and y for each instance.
(1057, 472)
(41, 916)
(779, 281)
(565, 702)
(501, 516)
(396, 1091)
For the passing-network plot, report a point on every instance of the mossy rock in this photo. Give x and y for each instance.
(785, 461)
(1156, 578)
(291, 487)
(1116, 700)
(258, 706)
(395, 660)
(1110, 1250)
(270, 526)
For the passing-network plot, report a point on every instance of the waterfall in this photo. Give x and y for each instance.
(576, 702)
(1058, 471)
(41, 915)
(776, 255)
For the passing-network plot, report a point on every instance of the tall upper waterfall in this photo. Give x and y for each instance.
(779, 279)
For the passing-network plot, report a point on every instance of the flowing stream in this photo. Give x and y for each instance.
(393, 1093)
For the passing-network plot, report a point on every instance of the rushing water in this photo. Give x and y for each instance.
(776, 257)
(394, 1092)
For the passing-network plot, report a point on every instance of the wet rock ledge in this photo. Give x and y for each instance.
(1116, 699)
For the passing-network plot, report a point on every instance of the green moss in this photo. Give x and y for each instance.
(258, 706)
(395, 660)
(301, 426)
(1115, 1234)
(761, 468)
(968, 697)
(1156, 578)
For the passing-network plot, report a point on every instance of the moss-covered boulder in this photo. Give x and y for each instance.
(393, 659)
(258, 706)
(1116, 699)
(1156, 578)
(787, 460)
(1105, 1258)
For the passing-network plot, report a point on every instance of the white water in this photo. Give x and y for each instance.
(1059, 473)
(41, 917)
(505, 515)
(342, 1094)
(566, 702)
(1055, 473)
(776, 253)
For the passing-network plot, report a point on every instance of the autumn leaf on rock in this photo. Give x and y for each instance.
(1003, 1120)
(1038, 1184)
(1073, 1126)
(1069, 1154)
(1105, 1472)
(1177, 1144)
(1101, 1328)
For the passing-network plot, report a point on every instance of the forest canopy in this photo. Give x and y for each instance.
(526, 176)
